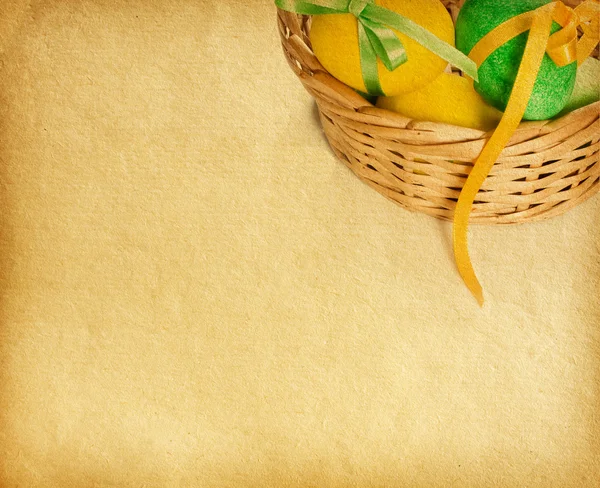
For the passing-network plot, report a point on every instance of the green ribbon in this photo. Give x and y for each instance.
(376, 38)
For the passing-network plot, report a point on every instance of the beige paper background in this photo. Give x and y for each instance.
(195, 292)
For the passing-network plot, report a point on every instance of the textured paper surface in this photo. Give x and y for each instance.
(195, 292)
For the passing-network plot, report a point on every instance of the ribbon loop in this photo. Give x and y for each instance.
(563, 46)
(589, 20)
(386, 44)
(356, 7)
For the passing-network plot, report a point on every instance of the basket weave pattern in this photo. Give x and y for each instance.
(547, 168)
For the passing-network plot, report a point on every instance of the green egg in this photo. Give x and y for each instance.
(497, 74)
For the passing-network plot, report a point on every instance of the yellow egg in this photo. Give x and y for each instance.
(449, 99)
(334, 39)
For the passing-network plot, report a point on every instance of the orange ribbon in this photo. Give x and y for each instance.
(563, 47)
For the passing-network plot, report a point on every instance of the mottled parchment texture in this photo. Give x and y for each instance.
(194, 292)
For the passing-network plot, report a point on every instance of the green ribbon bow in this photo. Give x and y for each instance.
(376, 38)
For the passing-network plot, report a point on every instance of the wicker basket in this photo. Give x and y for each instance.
(547, 168)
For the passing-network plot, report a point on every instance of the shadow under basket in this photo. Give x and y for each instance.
(547, 168)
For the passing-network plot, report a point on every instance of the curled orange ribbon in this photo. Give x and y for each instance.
(563, 47)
